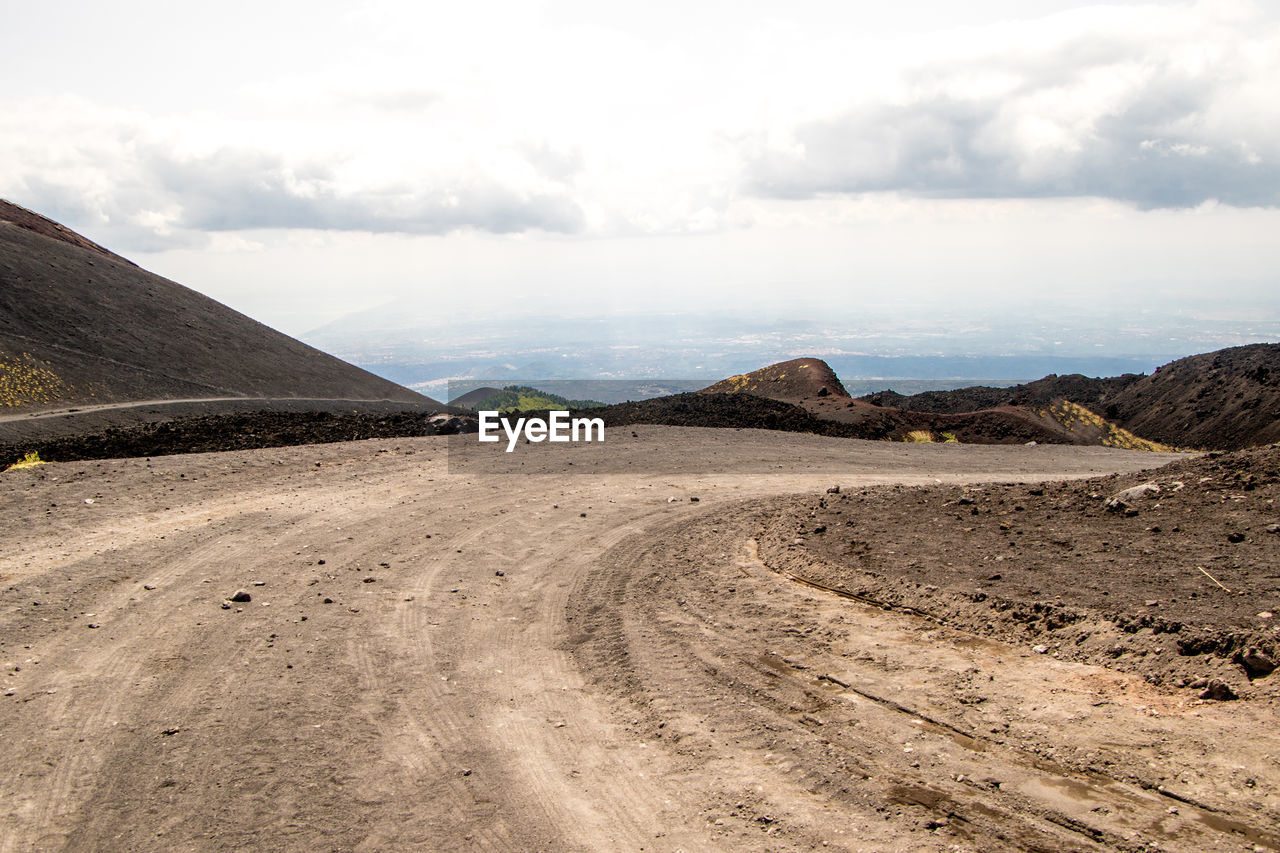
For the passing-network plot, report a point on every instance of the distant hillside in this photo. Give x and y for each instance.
(470, 399)
(82, 326)
(522, 398)
(791, 381)
(1225, 400)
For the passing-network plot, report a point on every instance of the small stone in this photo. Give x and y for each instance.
(1218, 691)
(327, 601)
(368, 580)
(1257, 662)
(148, 586)
(1040, 649)
(1273, 528)
(1235, 536)
(500, 573)
(1266, 614)
(226, 605)
(240, 596)
(582, 515)
(694, 500)
(259, 583)
(834, 490)
(1153, 602)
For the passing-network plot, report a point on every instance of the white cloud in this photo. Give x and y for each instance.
(1156, 106)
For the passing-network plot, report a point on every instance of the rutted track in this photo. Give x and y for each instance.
(496, 670)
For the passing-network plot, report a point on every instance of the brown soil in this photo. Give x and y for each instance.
(548, 662)
(81, 326)
(1167, 582)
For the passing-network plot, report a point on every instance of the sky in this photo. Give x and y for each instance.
(301, 161)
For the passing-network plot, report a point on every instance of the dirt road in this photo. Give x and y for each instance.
(556, 659)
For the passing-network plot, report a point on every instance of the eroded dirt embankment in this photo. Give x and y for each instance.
(1171, 575)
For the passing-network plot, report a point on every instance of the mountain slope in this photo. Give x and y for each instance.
(1225, 400)
(797, 379)
(81, 326)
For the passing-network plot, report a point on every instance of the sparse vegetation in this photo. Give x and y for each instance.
(24, 381)
(919, 436)
(1073, 416)
(31, 460)
(950, 438)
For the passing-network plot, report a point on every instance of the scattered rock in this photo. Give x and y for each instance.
(1235, 536)
(169, 732)
(1134, 493)
(1218, 691)
(1040, 649)
(834, 490)
(240, 596)
(1257, 662)
(1273, 528)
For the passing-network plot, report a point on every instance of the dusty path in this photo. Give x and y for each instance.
(548, 661)
(142, 404)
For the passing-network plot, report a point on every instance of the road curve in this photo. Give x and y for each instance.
(520, 656)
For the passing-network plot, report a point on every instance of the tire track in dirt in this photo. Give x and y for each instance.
(1034, 798)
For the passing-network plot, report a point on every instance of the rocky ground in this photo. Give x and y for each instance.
(599, 647)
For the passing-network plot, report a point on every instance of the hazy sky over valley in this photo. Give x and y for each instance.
(300, 161)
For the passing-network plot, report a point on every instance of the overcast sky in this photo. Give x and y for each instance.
(302, 160)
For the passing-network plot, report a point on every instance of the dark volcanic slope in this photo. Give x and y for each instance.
(787, 380)
(747, 411)
(80, 325)
(1094, 394)
(1229, 399)
(1226, 400)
